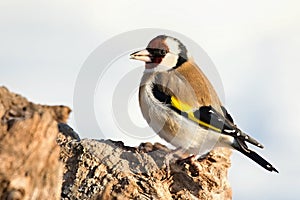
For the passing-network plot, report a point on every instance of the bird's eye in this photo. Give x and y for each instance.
(163, 52)
(157, 52)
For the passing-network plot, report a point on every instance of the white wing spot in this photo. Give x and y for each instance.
(229, 131)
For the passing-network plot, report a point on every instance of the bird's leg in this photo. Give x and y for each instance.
(202, 157)
(195, 166)
(168, 158)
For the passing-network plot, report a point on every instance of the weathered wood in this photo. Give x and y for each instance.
(29, 155)
(41, 157)
(105, 169)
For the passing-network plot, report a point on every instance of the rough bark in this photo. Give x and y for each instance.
(93, 169)
(29, 155)
(105, 169)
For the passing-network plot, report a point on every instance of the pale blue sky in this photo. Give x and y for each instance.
(254, 46)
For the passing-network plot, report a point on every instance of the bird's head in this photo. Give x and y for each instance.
(163, 52)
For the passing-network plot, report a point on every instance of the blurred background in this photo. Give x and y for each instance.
(254, 46)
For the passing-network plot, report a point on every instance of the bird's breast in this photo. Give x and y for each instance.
(157, 114)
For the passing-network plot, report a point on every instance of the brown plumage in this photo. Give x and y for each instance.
(205, 93)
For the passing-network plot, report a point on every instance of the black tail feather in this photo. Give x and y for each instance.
(257, 158)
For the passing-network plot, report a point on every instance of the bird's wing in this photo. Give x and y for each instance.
(210, 118)
(205, 116)
(188, 92)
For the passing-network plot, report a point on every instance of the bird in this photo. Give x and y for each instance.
(180, 104)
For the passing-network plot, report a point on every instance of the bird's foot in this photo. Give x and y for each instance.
(203, 157)
(168, 158)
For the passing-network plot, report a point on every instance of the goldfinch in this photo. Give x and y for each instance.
(181, 106)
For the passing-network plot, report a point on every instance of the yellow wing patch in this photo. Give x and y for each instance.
(180, 105)
(188, 110)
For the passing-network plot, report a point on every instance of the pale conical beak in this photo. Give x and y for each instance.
(142, 55)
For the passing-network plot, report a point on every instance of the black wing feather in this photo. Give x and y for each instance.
(211, 116)
(226, 114)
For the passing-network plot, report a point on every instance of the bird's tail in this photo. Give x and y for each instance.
(242, 147)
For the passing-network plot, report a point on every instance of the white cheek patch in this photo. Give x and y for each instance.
(169, 61)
